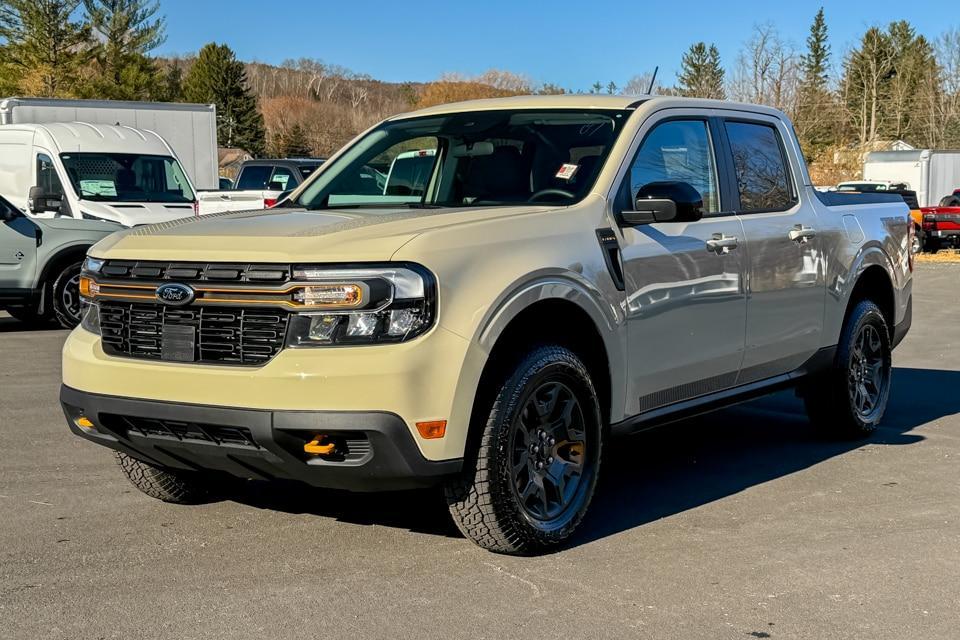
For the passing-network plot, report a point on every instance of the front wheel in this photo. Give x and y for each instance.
(66, 295)
(849, 400)
(539, 454)
(171, 485)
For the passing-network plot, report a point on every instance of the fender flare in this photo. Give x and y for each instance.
(570, 287)
(62, 251)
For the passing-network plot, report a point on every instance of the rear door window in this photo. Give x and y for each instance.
(760, 167)
(254, 178)
(284, 178)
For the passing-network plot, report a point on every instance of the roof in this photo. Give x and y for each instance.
(581, 101)
(103, 138)
(911, 155)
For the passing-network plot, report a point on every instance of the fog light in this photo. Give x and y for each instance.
(402, 321)
(330, 295)
(362, 324)
(322, 328)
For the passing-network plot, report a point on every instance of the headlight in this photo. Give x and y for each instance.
(92, 265)
(364, 305)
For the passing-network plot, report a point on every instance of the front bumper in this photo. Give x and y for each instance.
(380, 453)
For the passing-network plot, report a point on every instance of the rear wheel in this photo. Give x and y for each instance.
(850, 399)
(917, 242)
(931, 245)
(66, 295)
(170, 485)
(539, 454)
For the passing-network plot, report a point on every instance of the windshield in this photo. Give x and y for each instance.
(471, 159)
(127, 177)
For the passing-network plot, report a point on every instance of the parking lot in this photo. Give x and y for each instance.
(735, 525)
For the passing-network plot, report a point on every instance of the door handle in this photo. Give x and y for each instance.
(801, 234)
(721, 244)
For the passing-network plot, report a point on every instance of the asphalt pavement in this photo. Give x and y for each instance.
(740, 524)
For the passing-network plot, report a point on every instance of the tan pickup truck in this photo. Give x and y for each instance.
(551, 273)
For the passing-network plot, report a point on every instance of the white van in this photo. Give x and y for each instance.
(99, 172)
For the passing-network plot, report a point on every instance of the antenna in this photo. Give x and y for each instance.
(653, 79)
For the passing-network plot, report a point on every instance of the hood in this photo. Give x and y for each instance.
(290, 235)
(131, 214)
(75, 224)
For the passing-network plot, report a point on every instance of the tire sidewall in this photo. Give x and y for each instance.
(540, 366)
(865, 313)
(64, 316)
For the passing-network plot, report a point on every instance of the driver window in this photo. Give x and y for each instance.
(679, 151)
(47, 178)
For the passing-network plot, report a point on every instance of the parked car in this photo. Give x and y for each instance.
(97, 172)
(189, 129)
(570, 269)
(259, 185)
(40, 264)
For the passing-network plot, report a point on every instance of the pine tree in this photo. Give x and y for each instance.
(816, 105)
(596, 87)
(612, 87)
(218, 77)
(45, 46)
(126, 31)
(294, 143)
(701, 75)
(815, 61)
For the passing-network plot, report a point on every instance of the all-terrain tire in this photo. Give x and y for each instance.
(178, 487)
(834, 399)
(485, 501)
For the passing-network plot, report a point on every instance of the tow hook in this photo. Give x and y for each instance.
(319, 446)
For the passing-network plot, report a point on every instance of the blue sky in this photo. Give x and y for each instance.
(567, 43)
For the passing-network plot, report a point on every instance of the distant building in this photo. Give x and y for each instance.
(230, 159)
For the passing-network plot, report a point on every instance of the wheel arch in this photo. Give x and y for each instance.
(528, 314)
(60, 257)
(874, 283)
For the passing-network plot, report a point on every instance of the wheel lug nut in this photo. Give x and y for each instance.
(550, 460)
(539, 465)
(553, 441)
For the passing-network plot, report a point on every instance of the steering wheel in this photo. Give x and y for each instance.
(551, 192)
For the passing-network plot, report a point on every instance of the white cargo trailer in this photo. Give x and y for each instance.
(190, 129)
(932, 173)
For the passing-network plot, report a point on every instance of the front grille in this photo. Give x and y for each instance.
(175, 429)
(222, 335)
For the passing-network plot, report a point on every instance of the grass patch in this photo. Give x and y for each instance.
(943, 256)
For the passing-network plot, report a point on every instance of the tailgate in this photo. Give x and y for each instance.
(219, 201)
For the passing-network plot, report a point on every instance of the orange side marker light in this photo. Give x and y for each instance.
(432, 429)
(318, 447)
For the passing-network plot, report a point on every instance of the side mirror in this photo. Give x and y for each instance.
(666, 201)
(38, 201)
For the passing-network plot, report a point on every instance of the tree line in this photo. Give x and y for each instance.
(892, 84)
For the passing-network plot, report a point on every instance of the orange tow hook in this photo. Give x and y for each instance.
(319, 447)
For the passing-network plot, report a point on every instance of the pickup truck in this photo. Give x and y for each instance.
(940, 227)
(570, 269)
(40, 264)
(260, 184)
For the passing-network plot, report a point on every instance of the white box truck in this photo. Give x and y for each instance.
(189, 129)
(932, 173)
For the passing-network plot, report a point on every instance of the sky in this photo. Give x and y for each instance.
(571, 44)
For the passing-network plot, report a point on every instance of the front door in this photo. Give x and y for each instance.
(685, 302)
(785, 281)
(18, 251)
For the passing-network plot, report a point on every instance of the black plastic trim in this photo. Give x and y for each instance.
(901, 329)
(660, 416)
(395, 461)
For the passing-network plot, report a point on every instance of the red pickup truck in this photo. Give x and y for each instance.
(941, 225)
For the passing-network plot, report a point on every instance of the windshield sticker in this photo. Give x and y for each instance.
(98, 188)
(567, 171)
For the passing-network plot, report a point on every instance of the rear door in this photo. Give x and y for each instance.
(685, 295)
(785, 275)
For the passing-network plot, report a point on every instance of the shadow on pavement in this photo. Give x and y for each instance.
(9, 324)
(664, 471)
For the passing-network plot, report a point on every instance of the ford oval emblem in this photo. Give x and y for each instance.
(175, 294)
